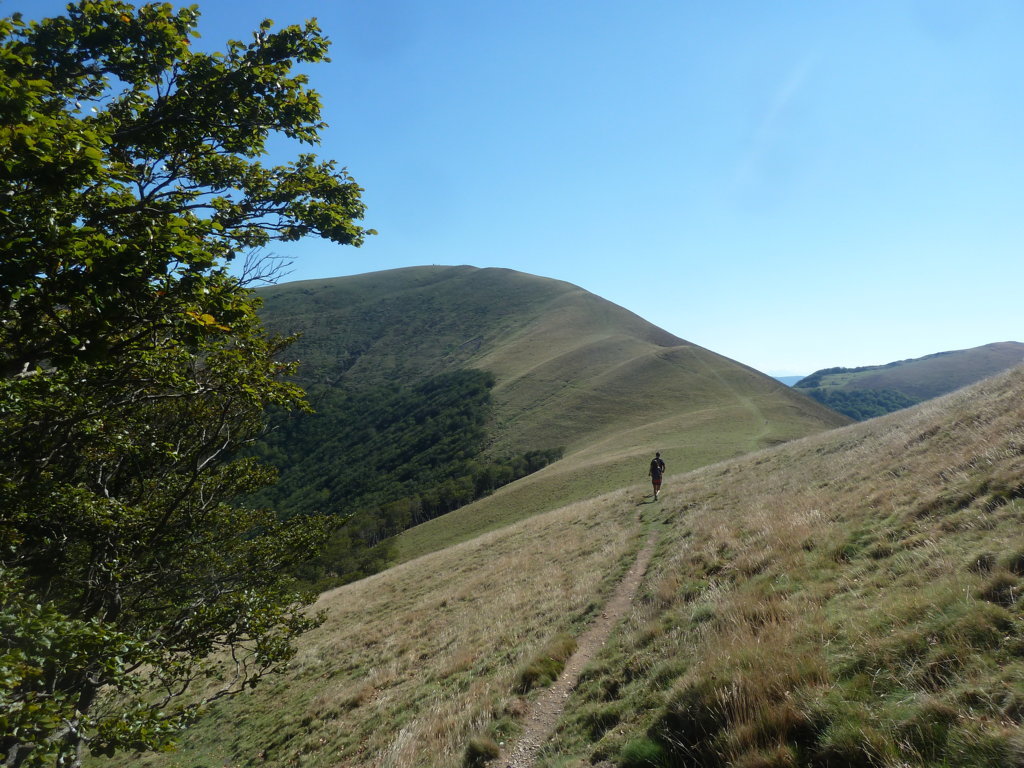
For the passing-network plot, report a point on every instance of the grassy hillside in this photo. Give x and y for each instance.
(873, 390)
(569, 365)
(415, 322)
(571, 371)
(721, 410)
(848, 599)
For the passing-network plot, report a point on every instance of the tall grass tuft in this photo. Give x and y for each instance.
(547, 664)
(642, 753)
(480, 750)
(738, 700)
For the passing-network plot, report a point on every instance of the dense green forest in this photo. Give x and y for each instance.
(384, 458)
(861, 404)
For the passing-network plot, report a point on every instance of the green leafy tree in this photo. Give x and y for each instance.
(134, 589)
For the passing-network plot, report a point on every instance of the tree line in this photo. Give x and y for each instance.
(861, 404)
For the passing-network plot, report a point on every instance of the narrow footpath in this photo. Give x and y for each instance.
(544, 712)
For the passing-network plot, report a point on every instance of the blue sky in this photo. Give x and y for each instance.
(794, 185)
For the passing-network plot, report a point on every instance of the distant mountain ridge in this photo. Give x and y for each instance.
(873, 390)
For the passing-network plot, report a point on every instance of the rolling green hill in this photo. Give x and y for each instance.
(869, 391)
(570, 375)
(851, 598)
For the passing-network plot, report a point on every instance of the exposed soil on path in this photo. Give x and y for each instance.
(545, 711)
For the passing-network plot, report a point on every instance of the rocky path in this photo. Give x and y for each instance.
(545, 711)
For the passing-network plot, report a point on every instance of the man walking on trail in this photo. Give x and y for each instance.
(656, 471)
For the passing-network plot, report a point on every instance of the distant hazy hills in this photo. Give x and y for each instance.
(873, 390)
(569, 370)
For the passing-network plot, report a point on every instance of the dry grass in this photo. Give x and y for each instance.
(419, 665)
(852, 598)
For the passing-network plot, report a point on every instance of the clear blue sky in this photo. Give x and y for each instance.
(794, 185)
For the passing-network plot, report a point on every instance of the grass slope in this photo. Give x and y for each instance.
(414, 662)
(415, 322)
(847, 599)
(705, 408)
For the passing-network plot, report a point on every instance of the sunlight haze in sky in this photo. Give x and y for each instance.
(795, 185)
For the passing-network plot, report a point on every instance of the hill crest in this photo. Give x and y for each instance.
(571, 369)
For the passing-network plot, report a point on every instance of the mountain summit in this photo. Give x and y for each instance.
(571, 371)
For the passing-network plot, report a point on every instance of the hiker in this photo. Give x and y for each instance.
(656, 471)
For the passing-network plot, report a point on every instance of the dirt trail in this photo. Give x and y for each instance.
(545, 711)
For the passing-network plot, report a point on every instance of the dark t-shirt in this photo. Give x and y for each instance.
(657, 467)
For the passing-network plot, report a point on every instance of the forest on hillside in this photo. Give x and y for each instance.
(861, 404)
(383, 458)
